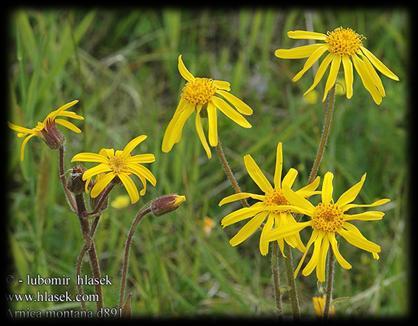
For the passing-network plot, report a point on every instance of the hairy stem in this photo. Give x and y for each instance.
(68, 195)
(229, 173)
(276, 278)
(292, 284)
(330, 283)
(102, 200)
(89, 243)
(329, 112)
(138, 218)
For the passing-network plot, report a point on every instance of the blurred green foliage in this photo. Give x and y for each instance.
(122, 65)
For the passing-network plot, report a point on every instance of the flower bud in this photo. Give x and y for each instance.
(51, 135)
(75, 183)
(166, 203)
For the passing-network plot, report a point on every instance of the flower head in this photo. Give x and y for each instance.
(199, 95)
(118, 165)
(272, 206)
(47, 128)
(344, 46)
(319, 306)
(328, 220)
(166, 204)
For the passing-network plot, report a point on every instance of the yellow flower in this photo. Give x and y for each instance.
(329, 219)
(319, 306)
(46, 129)
(272, 206)
(118, 165)
(201, 94)
(344, 46)
(120, 202)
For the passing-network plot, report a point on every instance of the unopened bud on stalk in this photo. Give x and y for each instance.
(166, 204)
(51, 135)
(75, 183)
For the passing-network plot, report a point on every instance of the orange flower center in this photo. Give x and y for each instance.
(276, 197)
(117, 163)
(327, 217)
(344, 41)
(199, 91)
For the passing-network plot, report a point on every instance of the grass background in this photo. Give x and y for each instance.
(122, 65)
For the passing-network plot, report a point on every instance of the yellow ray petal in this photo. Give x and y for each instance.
(68, 125)
(320, 268)
(353, 236)
(142, 158)
(298, 200)
(213, 124)
(375, 77)
(314, 261)
(327, 188)
(22, 146)
(264, 243)
(311, 240)
(248, 229)
(366, 216)
(376, 203)
(70, 114)
(298, 52)
(168, 139)
(379, 64)
(178, 127)
(294, 240)
(241, 214)
(185, 73)
(101, 168)
(256, 174)
(132, 144)
(130, 187)
(306, 35)
(101, 184)
(289, 178)
(66, 106)
(140, 170)
(341, 260)
(279, 166)
(332, 77)
(144, 185)
(89, 157)
(367, 81)
(351, 194)
(314, 57)
(236, 102)
(348, 74)
(320, 72)
(232, 114)
(287, 230)
(20, 129)
(239, 196)
(221, 84)
(309, 189)
(107, 152)
(201, 134)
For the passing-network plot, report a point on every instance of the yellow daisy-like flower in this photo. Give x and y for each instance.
(201, 94)
(46, 129)
(272, 206)
(319, 306)
(119, 165)
(344, 46)
(329, 219)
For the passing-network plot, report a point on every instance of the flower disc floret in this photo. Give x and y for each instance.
(327, 217)
(199, 91)
(344, 41)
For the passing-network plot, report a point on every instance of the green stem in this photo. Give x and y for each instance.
(329, 112)
(292, 284)
(276, 278)
(138, 218)
(229, 174)
(330, 282)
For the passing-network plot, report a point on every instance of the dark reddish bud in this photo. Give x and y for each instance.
(166, 203)
(75, 182)
(51, 135)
